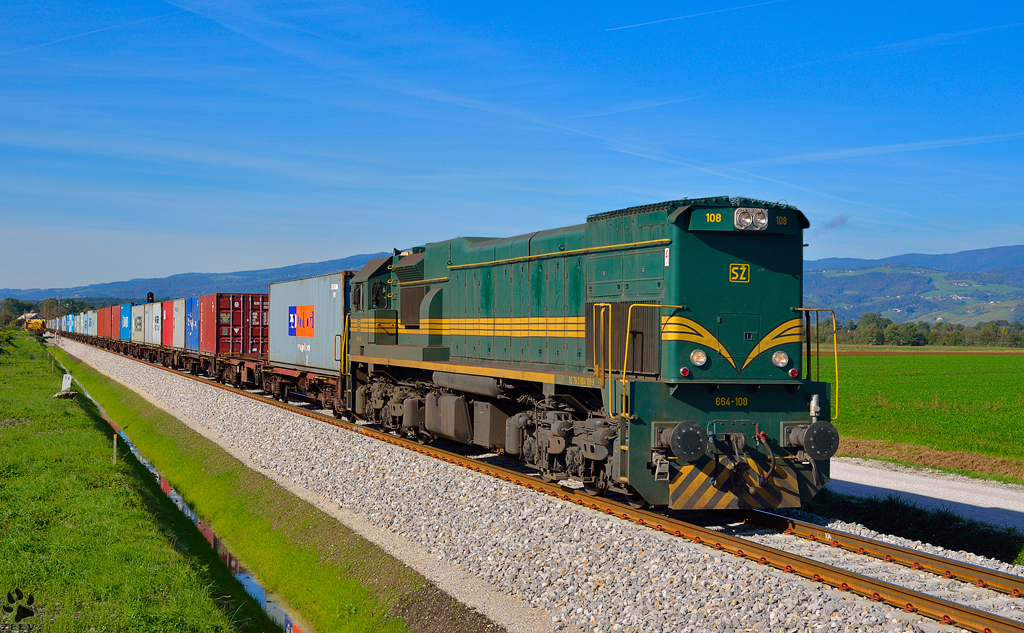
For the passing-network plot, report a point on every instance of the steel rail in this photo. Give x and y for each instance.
(932, 607)
(922, 561)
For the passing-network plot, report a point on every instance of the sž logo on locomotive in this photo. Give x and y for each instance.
(300, 321)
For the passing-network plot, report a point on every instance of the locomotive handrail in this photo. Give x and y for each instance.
(599, 331)
(423, 281)
(343, 369)
(575, 251)
(601, 370)
(625, 355)
(817, 342)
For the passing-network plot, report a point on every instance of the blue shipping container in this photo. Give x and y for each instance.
(126, 321)
(192, 323)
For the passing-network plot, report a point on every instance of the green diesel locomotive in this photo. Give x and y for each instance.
(654, 351)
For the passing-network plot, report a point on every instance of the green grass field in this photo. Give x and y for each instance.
(284, 540)
(91, 541)
(970, 403)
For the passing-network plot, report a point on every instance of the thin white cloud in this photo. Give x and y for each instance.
(931, 40)
(895, 47)
(695, 15)
(78, 35)
(631, 108)
(403, 83)
(878, 150)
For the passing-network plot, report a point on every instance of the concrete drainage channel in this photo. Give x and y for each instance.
(270, 603)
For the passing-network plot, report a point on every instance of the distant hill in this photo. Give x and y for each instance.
(192, 284)
(983, 260)
(966, 287)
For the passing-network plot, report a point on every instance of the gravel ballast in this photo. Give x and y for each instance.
(578, 567)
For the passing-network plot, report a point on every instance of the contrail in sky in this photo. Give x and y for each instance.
(696, 15)
(107, 28)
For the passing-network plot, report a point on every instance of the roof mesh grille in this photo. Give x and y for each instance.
(716, 201)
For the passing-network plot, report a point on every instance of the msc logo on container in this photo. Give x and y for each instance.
(300, 321)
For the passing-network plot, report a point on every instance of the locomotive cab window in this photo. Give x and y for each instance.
(379, 295)
(357, 297)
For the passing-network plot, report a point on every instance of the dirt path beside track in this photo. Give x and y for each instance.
(931, 458)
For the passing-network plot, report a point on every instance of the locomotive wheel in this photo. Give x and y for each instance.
(424, 438)
(595, 488)
(635, 501)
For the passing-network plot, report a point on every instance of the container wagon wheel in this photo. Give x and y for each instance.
(596, 488)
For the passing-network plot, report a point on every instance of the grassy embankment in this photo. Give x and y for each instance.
(98, 546)
(957, 413)
(334, 578)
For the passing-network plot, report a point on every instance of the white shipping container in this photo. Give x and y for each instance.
(139, 324)
(178, 323)
(153, 318)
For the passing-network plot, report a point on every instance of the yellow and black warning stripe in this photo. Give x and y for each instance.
(694, 487)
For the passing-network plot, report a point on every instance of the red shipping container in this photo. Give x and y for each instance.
(167, 323)
(103, 323)
(234, 324)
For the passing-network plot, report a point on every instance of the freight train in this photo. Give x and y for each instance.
(661, 351)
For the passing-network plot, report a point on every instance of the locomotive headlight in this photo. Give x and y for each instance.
(743, 219)
(780, 358)
(698, 357)
(760, 220)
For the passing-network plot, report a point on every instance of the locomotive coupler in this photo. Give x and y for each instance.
(660, 463)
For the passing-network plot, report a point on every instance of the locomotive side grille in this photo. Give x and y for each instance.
(411, 298)
(644, 339)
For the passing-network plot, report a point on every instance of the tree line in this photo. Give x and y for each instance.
(874, 329)
(11, 308)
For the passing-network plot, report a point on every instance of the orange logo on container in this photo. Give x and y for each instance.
(300, 321)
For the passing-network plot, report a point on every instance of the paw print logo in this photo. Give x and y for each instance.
(19, 604)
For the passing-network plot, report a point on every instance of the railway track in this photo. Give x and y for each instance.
(936, 608)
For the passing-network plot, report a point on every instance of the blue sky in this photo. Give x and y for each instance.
(147, 138)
